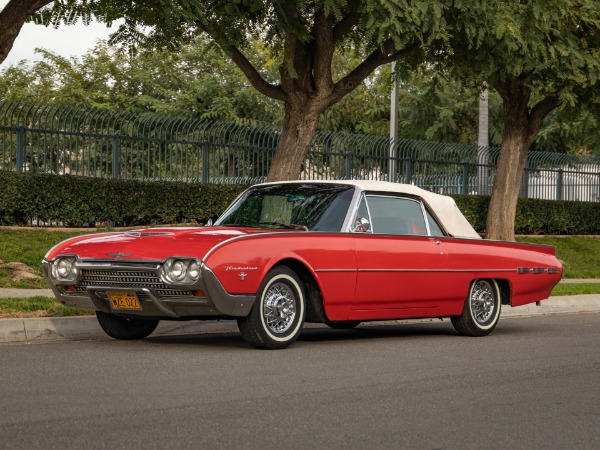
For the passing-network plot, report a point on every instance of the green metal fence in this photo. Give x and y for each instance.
(111, 144)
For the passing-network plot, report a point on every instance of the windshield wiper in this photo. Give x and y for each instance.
(291, 226)
(277, 224)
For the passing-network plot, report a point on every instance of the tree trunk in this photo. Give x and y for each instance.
(299, 125)
(521, 128)
(505, 193)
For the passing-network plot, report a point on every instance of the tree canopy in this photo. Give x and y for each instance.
(536, 56)
(302, 36)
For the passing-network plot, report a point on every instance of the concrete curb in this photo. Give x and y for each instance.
(49, 329)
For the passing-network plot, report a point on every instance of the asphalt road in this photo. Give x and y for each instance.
(534, 383)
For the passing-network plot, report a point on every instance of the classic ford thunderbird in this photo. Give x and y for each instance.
(334, 252)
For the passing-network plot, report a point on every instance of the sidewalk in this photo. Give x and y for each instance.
(47, 329)
(25, 293)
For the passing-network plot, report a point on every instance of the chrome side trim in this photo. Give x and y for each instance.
(417, 270)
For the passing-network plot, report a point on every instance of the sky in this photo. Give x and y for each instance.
(74, 40)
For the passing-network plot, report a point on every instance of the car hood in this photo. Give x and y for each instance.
(150, 244)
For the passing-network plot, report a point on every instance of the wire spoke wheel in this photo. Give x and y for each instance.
(482, 301)
(277, 315)
(279, 310)
(481, 309)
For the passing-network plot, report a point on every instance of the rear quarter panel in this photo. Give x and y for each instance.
(501, 260)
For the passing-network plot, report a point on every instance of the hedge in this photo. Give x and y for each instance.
(535, 216)
(76, 201)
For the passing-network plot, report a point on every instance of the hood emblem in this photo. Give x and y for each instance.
(119, 255)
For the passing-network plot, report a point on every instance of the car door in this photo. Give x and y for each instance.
(402, 266)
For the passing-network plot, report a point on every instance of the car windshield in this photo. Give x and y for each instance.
(303, 206)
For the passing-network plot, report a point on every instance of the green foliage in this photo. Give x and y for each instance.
(552, 46)
(80, 200)
(197, 81)
(436, 101)
(76, 201)
(536, 216)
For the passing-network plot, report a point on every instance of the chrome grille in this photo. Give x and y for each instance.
(135, 280)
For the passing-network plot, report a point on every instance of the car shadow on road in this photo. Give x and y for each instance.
(317, 334)
(365, 332)
(320, 333)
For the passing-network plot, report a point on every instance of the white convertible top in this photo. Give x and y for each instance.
(443, 206)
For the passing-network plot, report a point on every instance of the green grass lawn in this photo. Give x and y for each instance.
(576, 289)
(580, 256)
(28, 247)
(38, 307)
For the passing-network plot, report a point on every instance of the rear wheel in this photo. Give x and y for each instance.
(122, 328)
(277, 315)
(481, 310)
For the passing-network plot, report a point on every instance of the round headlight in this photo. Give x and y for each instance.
(194, 271)
(64, 267)
(178, 270)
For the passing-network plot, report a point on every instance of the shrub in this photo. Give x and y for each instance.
(77, 201)
(535, 216)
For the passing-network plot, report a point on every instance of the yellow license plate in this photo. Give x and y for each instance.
(124, 300)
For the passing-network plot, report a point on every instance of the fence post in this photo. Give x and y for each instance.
(408, 171)
(465, 179)
(524, 190)
(348, 166)
(559, 185)
(205, 163)
(20, 148)
(116, 157)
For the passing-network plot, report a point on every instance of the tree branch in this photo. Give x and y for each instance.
(12, 18)
(323, 54)
(240, 60)
(539, 112)
(364, 69)
(287, 65)
(344, 26)
(255, 79)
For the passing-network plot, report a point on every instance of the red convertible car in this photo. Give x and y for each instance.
(335, 252)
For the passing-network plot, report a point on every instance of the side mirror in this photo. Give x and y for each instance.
(362, 225)
(209, 223)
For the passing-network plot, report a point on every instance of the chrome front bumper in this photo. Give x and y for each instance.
(157, 299)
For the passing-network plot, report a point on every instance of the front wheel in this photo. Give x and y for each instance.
(122, 328)
(481, 310)
(277, 315)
